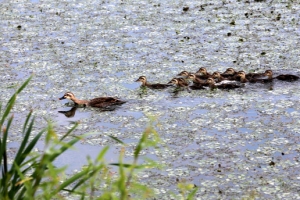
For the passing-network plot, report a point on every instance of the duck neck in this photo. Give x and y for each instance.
(145, 83)
(270, 77)
(212, 86)
(220, 78)
(79, 102)
(243, 79)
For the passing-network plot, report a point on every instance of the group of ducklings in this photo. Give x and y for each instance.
(230, 79)
(200, 80)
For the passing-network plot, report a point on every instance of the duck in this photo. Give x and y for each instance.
(230, 73)
(196, 80)
(184, 74)
(212, 85)
(244, 79)
(203, 73)
(99, 102)
(143, 79)
(255, 75)
(218, 77)
(287, 77)
(284, 77)
(180, 83)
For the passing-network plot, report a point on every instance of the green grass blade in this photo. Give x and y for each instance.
(102, 153)
(127, 165)
(30, 146)
(26, 121)
(0, 108)
(70, 131)
(12, 99)
(116, 139)
(24, 85)
(64, 148)
(139, 147)
(192, 194)
(22, 155)
(8, 109)
(24, 142)
(73, 179)
(122, 177)
(3, 145)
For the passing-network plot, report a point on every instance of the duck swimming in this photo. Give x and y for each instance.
(143, 79)
(230, 73)
(100, 102)
(244, 79)
(203, 73)
(212, 85)
(282, 77)
(180, 83)
(196, 80)
(218, 77)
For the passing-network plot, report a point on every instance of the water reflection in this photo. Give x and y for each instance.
(69, 113)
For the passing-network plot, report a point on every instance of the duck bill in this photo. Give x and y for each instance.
(138, 80)
(61, 98)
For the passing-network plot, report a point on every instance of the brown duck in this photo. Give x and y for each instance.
(184, 74)
(143, 79)
(197, 81)
(180, 83)
(228, 86)
(244, 79)
(230, 73)
(203, 73)
(218, 77)
(100, 102)
(282, 77)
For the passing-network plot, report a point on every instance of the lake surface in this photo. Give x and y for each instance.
(231, 144)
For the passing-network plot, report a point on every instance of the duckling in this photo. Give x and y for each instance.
(143, 79)
(241, 76)
(100, 102)
(244, 79)
(283, 77)
(212, 85)
(230, 73)
(184, 74)
(196, 81)
(180, 83)
(204, 73)
(255, 75)
(218, 77)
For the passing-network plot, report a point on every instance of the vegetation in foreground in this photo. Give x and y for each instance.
(32, 175)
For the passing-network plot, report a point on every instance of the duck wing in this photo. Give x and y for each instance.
(158, 86)
(105, 101)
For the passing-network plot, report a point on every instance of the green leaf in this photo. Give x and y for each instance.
(116, 139)
(127, 165)
(70, 131)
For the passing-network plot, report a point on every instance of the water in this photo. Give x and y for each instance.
(219, 140)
